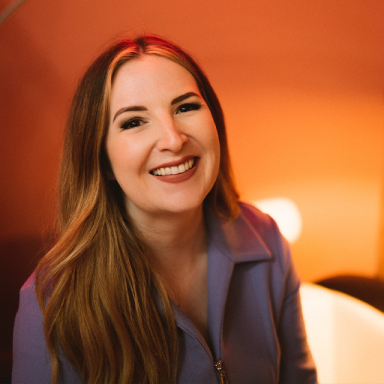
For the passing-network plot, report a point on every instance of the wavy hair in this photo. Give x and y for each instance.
(103, 305)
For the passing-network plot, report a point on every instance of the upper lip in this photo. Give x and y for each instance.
(173, 163)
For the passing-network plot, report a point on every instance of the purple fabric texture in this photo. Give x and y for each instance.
(254, 314)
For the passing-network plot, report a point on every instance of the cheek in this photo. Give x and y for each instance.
(115, 155)
(208, 132)
(119, 160)
(213, 142)
(124, 154)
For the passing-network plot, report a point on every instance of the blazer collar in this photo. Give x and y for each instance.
(230, 242)
(237, 239)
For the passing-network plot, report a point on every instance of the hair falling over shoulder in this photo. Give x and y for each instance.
(104, 307)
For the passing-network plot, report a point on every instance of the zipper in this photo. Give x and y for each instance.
(220, 368)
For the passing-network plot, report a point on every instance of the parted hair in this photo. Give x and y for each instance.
(103, 305)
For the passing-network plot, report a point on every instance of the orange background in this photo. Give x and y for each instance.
(301, 83)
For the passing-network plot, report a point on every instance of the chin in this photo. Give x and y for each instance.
(182, 207)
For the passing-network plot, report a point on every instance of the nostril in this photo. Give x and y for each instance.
(172, 141)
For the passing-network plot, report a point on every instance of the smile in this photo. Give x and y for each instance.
(174, 170)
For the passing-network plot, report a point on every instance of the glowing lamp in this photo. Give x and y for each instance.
(286, 214)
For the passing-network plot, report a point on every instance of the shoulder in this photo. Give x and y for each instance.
(29, 314)
(30, 356)
(259, 220)
(31, 361)
(252, 236)
(265, 227)
(30, 283)
(267, 231)
(283, 279)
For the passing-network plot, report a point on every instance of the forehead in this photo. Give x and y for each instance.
(151, 76)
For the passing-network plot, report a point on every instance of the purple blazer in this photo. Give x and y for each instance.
(254, 314)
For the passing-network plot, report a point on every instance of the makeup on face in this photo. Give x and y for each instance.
(162, 142)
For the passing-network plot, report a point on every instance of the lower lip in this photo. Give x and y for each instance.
(179, 177)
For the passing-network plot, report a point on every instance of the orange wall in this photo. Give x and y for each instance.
(301, 84)
(324, 153)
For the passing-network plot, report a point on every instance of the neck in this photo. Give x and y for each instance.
(177, 241)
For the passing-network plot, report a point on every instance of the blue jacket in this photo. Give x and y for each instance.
(254, 314)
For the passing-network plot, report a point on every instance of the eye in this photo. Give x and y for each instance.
(132, 123)
(188, 107)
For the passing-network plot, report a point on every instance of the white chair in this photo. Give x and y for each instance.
(346, 336)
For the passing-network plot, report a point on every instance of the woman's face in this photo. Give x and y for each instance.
(162, 142)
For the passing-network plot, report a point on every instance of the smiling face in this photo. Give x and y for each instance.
(162, 142)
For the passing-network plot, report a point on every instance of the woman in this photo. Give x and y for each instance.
(159, 274)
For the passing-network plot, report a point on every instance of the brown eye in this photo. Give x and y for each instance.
(132, 123)
(188, 107)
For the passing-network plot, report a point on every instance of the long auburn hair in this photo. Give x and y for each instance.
(104, 307)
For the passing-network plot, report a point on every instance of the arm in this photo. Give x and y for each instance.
(31, 361)
(297, 365)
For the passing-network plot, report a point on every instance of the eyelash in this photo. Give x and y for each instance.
(189, 107)
(128, 124)
(137, 122)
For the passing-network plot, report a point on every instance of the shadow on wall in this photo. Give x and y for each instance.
(18, 259)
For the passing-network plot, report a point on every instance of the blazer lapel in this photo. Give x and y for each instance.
(230, 242)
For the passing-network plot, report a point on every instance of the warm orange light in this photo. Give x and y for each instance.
(286, 215)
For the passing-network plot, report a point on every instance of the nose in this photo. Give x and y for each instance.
(171, 137)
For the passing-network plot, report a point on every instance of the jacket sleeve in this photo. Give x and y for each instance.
(31, 361)
(296, 365)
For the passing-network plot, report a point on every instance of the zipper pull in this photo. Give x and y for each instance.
(220, 368)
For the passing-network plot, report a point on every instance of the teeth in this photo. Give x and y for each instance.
(175, 170)
(181, 168)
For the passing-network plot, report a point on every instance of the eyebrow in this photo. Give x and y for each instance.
(183, 97)
(137, 108)
(128, 109)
